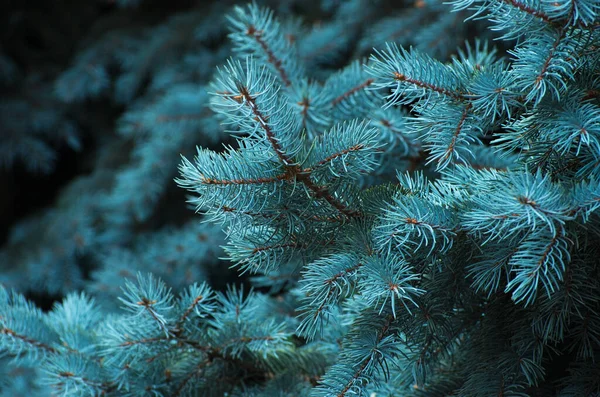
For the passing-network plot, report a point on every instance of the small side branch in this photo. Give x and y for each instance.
(429, 86)
(457, 131)
(352, 91)
(529, 10)
(292, 170)
(271, 58)
(27, 340)
(254, 181)
(367, 360)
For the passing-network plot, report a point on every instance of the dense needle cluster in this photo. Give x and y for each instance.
(422, 222)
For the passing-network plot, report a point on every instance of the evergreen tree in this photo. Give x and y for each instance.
(419, 223)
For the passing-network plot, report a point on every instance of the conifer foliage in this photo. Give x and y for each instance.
(414, 225)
